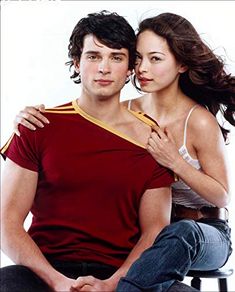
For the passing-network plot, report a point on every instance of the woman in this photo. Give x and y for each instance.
(186, 86)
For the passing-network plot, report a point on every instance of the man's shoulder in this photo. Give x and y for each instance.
(58, 119)
(144, 118)
(67, 108)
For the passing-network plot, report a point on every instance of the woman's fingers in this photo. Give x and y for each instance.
(40, 107)
(30, 117)
(33, 114)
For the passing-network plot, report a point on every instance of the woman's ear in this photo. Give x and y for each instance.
(76, 66)
(183, 68)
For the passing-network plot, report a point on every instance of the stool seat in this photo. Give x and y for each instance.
(220, 274)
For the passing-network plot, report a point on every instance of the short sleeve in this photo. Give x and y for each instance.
(162, 177)
(22, 150)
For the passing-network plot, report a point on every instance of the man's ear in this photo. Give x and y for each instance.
(76, 66)
(183, 68)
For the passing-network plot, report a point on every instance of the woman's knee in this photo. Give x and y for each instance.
(185, 230)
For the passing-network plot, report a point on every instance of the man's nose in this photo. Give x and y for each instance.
(104, 66)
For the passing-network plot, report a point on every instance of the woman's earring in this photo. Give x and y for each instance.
(79, 77)
(127, 79)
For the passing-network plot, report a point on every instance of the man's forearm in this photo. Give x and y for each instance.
(19, 246)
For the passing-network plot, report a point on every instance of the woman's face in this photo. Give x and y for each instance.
(156, 67)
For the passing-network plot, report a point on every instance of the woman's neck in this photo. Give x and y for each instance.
(166, 106)
(164, 102)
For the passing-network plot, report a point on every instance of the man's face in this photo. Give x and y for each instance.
(103, 70)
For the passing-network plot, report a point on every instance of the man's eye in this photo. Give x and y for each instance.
(117, 58)
(92, 57)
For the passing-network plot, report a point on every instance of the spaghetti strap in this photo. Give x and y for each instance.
(186, 123)
(129, 105)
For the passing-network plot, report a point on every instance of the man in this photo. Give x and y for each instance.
(97, 196)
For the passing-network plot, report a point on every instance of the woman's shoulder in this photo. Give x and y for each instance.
(203, 116)
(134, 104)
(202, 122)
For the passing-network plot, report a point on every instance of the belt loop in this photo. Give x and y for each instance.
(173, 211)
(84, 268)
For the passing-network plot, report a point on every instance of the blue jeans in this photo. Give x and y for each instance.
(181, 246)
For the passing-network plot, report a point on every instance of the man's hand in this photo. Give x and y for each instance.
(30, 117)
(90, 283)
(63, 284)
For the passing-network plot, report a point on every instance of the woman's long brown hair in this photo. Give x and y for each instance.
(206, 80)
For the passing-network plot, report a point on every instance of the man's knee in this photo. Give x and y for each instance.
(19, 278)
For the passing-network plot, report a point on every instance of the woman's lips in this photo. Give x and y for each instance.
(144, 81)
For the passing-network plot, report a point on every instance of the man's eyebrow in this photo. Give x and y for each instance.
(113, 53)
(119, 53)
(91, 52)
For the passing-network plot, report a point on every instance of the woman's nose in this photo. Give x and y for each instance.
(142, 65)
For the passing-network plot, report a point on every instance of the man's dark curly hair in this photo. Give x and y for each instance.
(110, 29)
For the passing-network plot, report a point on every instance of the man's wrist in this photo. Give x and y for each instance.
(112, 283)
(54, 280)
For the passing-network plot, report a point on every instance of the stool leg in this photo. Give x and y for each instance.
(196, 283)
(223, 285)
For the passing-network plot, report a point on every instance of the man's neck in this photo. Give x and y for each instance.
(108, 110)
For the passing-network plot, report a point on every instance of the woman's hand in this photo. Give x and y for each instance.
(162, 147)
(30, 117)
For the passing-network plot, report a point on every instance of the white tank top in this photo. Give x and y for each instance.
(182, 194)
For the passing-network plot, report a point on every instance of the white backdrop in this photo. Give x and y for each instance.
(34, 40)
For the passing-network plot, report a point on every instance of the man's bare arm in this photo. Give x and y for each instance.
(18, 191)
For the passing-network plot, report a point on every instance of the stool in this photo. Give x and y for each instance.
(220, 274)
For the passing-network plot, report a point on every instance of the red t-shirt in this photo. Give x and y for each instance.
(90, 183)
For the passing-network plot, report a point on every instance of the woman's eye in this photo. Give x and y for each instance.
(155, 59)
(137, 60)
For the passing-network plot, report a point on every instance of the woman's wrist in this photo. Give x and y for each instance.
(178, 165)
